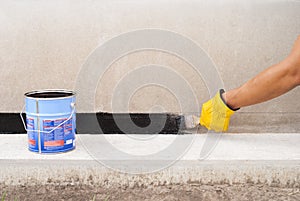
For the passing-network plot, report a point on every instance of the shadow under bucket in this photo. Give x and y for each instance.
(50, 120)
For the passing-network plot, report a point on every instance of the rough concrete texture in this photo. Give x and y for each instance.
(259, 159)
(191, 192)
(44, 44)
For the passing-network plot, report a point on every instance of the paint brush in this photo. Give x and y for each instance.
(190, 121)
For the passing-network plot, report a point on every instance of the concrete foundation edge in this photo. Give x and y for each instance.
(41, 172)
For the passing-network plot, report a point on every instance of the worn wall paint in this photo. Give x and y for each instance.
(44, 44)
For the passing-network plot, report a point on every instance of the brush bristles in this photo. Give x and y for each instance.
(191, 121)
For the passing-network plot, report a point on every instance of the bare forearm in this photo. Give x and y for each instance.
(272, 82)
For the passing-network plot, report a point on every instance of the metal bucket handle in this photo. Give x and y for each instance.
(73, 110)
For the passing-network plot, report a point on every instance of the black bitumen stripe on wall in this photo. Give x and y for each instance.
(88, 123)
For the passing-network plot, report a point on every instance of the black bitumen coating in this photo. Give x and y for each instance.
(88, 123)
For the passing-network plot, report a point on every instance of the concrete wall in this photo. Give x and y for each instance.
(43, 44)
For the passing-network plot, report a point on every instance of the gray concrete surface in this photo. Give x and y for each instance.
(237, 158)
(44, 44)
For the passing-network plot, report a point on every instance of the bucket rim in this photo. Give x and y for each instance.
(64, 94)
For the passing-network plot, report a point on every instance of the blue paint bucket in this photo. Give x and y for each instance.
(50, 120)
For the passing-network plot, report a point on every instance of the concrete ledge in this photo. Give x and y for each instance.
(263, 158)
(274, 173)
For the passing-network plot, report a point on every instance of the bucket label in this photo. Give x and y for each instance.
(31, 133)
(56, 138)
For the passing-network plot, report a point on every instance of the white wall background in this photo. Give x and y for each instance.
(43, 44)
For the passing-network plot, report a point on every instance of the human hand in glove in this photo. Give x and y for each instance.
(270, 83)
(216, 113)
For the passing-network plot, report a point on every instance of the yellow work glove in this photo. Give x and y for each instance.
(216, 113)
